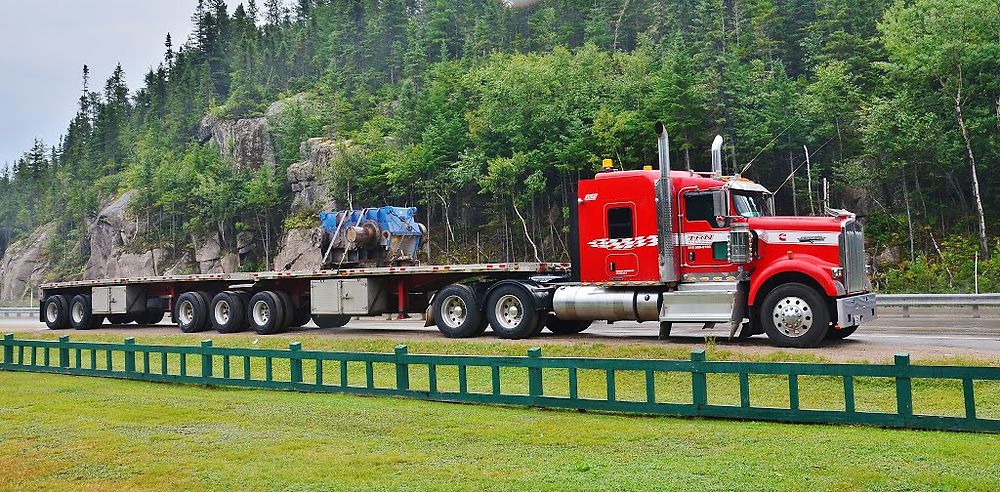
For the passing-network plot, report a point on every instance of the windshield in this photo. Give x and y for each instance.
(750, 204)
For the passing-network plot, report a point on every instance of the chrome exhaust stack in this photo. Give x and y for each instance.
(664, 210)
(717, 157)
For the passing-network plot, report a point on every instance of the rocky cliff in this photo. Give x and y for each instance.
(24, 265)
(244, 143)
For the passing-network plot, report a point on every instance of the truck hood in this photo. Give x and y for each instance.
(796, 224)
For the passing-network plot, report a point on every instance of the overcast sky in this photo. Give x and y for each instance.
(44, 45)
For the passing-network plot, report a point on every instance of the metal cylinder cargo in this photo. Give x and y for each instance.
(664, 246)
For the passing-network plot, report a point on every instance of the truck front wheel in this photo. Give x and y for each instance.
(795, 315)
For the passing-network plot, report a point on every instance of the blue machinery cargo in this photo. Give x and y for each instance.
(384, 236)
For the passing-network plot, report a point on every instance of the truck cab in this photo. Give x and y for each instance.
(713, 250)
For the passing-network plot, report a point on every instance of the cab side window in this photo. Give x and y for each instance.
(700, 206)
(620, 223)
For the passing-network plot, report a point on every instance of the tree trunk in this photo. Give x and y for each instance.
(526, 235)
(909, 218)
(972, 164)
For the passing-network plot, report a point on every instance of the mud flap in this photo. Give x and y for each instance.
(739, 308)
(429, 313)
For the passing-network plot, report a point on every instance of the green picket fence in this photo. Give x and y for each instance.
(625, 385)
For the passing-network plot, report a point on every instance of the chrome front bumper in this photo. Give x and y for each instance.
(853, 310)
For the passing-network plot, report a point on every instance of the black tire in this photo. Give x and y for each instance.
(191, 312)
(57, 312)
(152, 317)
(513, 312)
(841, 333)
(302, 315)
(288, 309)
(265, 313)
(81, 317)
(458, 312)
(227, 312)
(119, 319)
(801, 302)
(566, 327)
(331, 320)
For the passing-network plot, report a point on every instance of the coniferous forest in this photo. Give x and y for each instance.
(484, 114)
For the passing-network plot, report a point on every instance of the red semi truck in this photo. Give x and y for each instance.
(651, 245)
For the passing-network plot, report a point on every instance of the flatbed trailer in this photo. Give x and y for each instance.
(268, 302)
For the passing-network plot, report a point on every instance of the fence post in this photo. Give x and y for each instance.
(295, 362)
(699, 386)
(63, 352)
(402, 370)
(904, 389)
(129, 355)
(535, 372)
(206, 360)
(8, 349)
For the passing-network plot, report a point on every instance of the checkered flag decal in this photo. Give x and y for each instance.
(623, 244)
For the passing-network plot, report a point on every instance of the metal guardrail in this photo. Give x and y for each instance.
(611, 385)
(17, 312)
(906, 301)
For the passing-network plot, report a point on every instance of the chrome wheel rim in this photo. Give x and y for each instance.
(185, 312)
(261, 313)
(77, 313)
(51, 312)
(454, 311)
(222, 312)
(792, 316)
(509, 311)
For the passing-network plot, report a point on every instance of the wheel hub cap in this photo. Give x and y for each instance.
(454, 309)
(261, 313)
(509, 311)
(186, 312)
(792, 316)
(51, 312)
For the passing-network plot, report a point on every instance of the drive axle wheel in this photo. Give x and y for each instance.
(566, 327)
(513, 313)
(457, 312)
(795, 315)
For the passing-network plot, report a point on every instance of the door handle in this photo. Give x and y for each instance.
(691, 256)
(611, 266)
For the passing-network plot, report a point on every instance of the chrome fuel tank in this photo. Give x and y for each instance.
(585, 302)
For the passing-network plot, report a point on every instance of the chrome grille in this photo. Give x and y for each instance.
(852, 256)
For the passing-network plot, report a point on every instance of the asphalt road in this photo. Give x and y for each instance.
(931, 334)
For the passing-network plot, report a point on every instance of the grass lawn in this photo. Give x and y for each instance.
(60, 432)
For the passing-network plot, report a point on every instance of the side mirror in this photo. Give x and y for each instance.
(720, 204)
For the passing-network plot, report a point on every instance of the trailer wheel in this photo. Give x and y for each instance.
(191, 312)
(288, 309)
(841, 333)
(81, 316)
(566, 327)
(795, 315)
(265, 312)
(331, 320)
(119, 319)
(513, 312)
(457, 312)
(57, 312)
(228, 313)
